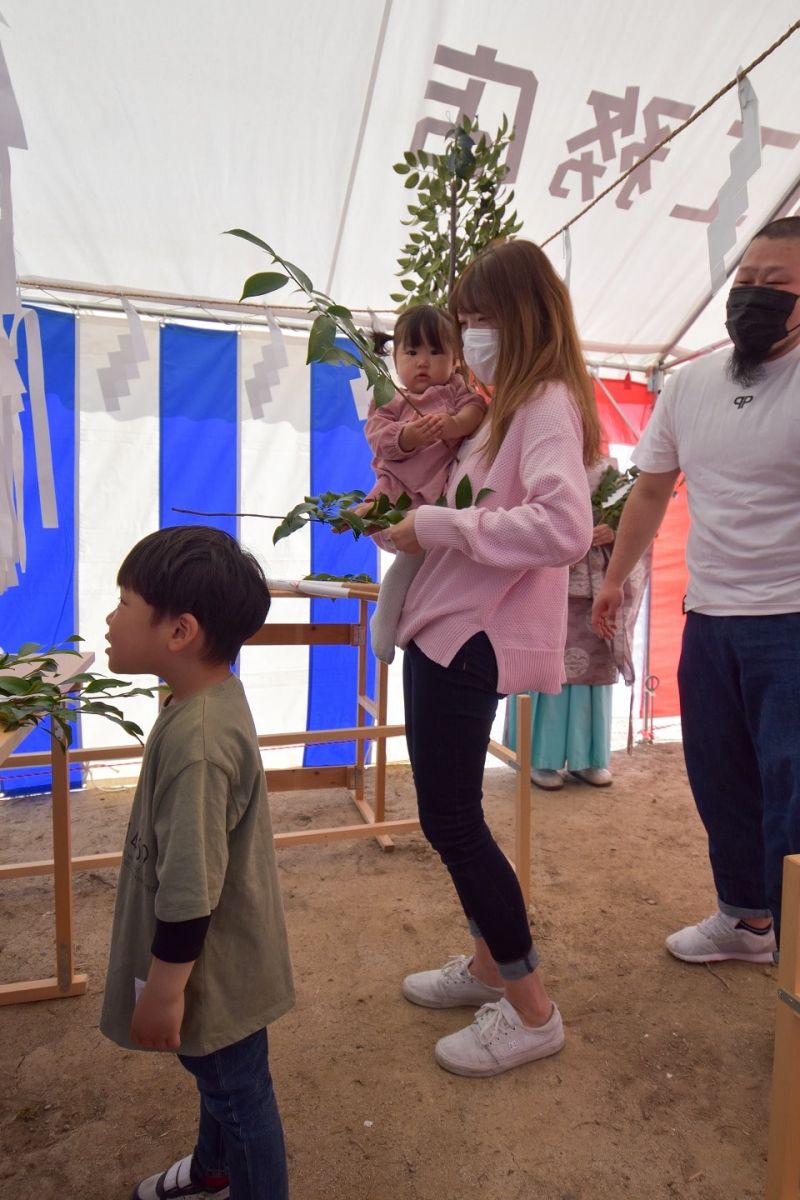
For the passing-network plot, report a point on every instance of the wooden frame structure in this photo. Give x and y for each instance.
(65, 982)
(372, 823)
(783, 1156)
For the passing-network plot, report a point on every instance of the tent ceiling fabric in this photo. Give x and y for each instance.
(152, 127)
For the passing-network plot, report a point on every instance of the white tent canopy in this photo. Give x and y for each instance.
(153, 127)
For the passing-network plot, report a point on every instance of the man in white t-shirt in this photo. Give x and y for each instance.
(731, 423)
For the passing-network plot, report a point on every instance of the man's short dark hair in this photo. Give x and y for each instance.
(783, 227)
(203, 571)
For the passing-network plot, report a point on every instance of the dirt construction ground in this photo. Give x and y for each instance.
(662, 1090)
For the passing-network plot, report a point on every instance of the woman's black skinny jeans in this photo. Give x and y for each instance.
(449, 715)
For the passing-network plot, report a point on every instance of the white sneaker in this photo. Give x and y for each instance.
(177, 1183)
(718, 938)
(450, 987)
(596, 776)
(497, 1040)
(551, 781)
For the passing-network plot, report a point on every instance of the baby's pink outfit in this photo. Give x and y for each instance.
(420, 473)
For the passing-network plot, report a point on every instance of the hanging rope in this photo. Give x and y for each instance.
(679, 129)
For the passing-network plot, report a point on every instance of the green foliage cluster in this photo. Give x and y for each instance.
(461, 207)
(28, 697)
(611, 494)
(330, 319)
(336, 510)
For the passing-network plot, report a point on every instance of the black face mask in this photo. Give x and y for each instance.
(756, 318)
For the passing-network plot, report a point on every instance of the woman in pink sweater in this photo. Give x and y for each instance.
(486, 616)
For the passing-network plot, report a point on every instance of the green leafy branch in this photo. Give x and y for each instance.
(28, 696)
(331, 318)
(461, 208)
(335, 509)
(611, 494)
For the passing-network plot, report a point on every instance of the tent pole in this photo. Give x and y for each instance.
(99, 298)
(646, 653)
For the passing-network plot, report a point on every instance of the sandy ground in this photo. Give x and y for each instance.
(662, 1090)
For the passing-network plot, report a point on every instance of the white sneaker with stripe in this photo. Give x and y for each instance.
(176, 1182)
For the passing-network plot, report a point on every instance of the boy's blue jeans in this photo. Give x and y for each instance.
(739, 680)
(240, 1133)
(449, 714)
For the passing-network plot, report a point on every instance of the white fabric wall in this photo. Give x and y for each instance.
(152, 127)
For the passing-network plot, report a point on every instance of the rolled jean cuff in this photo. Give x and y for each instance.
(731, 910)
(520, 967)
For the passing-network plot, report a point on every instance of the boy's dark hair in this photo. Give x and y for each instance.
(780, 228)
(426, 323)
(203, 571)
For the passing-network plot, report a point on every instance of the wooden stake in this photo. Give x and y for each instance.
(523, 834)
(783, 1157)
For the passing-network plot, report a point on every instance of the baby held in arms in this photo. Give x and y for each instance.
(415, 438)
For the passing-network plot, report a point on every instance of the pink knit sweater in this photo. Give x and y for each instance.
(502, 566)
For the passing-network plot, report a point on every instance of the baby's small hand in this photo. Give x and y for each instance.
(421, 431)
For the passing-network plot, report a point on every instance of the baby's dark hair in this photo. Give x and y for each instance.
(203, 571)
(427, 323)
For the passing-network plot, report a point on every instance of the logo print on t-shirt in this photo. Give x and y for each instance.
(142, 852)
(740, 401)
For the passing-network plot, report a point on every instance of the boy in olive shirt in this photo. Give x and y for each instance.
(199, 962)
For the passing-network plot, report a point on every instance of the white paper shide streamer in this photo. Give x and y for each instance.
(567, 257)
(12, 528)
(732, 199)
(266, 372)
(124, 362)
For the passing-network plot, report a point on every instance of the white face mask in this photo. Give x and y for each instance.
(481, 348)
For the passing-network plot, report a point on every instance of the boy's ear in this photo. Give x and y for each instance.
(185, 632)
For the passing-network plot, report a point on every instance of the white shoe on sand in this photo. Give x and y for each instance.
(596, 776)
(497, 1041)
(718, 938)
(550, 781)
(452, 986)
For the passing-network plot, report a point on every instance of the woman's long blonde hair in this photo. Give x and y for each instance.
(515, 287)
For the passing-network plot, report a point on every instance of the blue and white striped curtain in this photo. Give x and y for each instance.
(203, 420)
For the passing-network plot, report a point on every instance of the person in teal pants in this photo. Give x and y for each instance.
(572, 730)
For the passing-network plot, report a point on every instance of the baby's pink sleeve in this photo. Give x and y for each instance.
(383, 429)
(464, 396)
